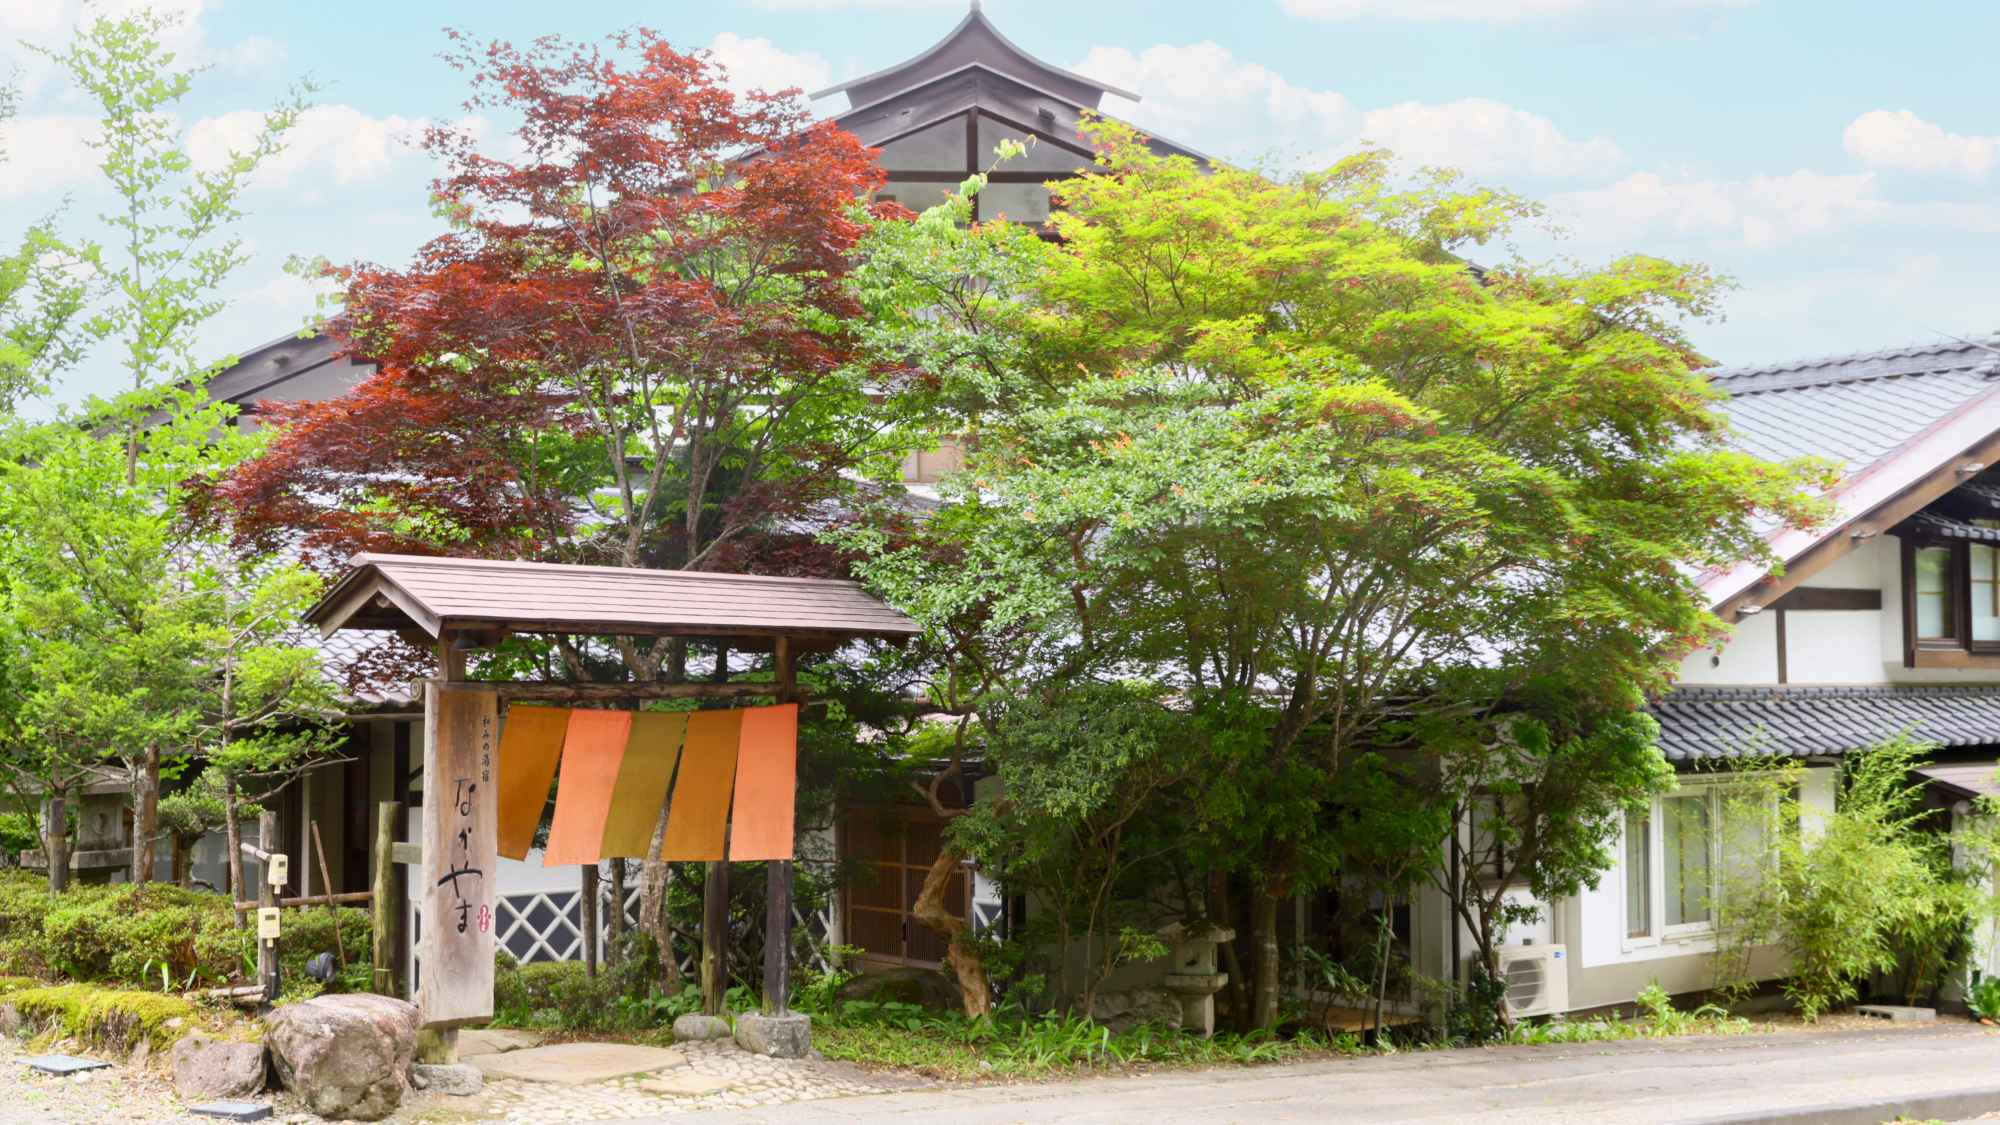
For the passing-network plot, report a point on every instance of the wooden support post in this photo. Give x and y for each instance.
(332, 911)
(715, 937)
(384, 952)
(778, 938)
(267, 896)
(460, 845)
(778, 879)
(587, 909)
(55, 837)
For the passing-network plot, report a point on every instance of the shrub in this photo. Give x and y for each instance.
(155, 935)
(105, 1017)
(308, 932)
(555, 994)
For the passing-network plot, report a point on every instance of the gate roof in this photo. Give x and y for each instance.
(438, 594)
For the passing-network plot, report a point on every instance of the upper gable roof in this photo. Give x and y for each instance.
(974, 42)
(1907, 424)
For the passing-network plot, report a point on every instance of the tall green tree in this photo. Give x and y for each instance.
(172, 246)
(1279, 447)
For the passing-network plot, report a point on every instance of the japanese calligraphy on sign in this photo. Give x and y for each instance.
(461, 830)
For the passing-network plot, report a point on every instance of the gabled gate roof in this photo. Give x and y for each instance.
(438, 594)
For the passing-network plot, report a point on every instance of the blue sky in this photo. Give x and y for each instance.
(1837, 158)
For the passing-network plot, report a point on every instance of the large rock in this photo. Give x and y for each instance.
(346, 1056)
(213, 1070)
(1120, 1010)
(930, 989)
(780, 1037)
(694, 1026)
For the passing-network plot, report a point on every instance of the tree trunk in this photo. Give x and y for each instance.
(613, 948)
(57, 837)
(964, 956)
(145, 816)
(1264, 933)
(232, 840)
(1220, 914)
(654, 875)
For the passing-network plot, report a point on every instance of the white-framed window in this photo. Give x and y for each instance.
(1680, 855)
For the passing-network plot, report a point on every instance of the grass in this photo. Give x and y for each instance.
(903, 1036)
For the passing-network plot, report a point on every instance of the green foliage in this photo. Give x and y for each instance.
(308, 932)
(1843, 893)
(561, 994)
(105, 1018)
(119, 933)
(1278, 452)
(1982, 995)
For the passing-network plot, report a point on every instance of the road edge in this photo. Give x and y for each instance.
(1953, 1106)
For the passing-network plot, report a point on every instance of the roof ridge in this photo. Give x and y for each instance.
(1880, 363)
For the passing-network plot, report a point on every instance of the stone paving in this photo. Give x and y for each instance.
(734, 1078)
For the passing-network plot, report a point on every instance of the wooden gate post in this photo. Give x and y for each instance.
(460, 850)
(383, 952)
(714, 937)
(778, 880)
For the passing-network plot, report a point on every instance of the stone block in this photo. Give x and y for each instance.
(456, 1079)
(931, 989)
(780, 1037)
(207, 1069)
(494, 1041)
(1897, 1013)
(1120, 1010)
(692, 1027)
(345, 1056)
(576, 1064)
(686, 1085)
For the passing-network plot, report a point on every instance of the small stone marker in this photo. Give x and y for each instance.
(1897, 1013)
(64, 1065)
(233, 1111)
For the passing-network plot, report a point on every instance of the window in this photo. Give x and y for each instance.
(1639, 874)
(1685, 843)
(1953, 600)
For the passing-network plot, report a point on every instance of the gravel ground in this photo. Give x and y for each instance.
(125, 1095)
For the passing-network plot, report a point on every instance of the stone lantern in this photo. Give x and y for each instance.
(1191, 973)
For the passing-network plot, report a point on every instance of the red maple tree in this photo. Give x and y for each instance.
(636, 345)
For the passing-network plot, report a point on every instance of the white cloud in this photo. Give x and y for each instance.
(1759, 212)
(47, 153)
(1487, 138)
(1491, 11)
(1202, 94)
(255, 57)
(1904, 140)
(354, 147)
(757, 64)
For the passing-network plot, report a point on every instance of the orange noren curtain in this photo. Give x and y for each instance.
(529, 750)
(592, 754)
(697, 826)
(766, 784)
(642, 782)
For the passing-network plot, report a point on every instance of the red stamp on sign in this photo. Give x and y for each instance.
(485, 919)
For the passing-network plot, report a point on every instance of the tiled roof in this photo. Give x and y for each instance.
(1733, 722)
(1856, 409)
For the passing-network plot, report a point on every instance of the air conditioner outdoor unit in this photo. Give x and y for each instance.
(1537, 979)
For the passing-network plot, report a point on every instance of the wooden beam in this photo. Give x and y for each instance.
(384, 948)
(565, 692)
(1828, 598)
(316, 900)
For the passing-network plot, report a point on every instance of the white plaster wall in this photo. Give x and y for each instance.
(1833, 646)
(1748, 657)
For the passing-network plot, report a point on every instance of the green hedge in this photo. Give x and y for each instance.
(155, 936)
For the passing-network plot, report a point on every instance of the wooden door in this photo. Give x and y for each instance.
(893, 853)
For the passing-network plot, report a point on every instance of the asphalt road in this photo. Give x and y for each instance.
(1646, 1082)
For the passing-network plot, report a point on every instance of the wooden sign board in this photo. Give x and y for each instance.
(460, 857)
